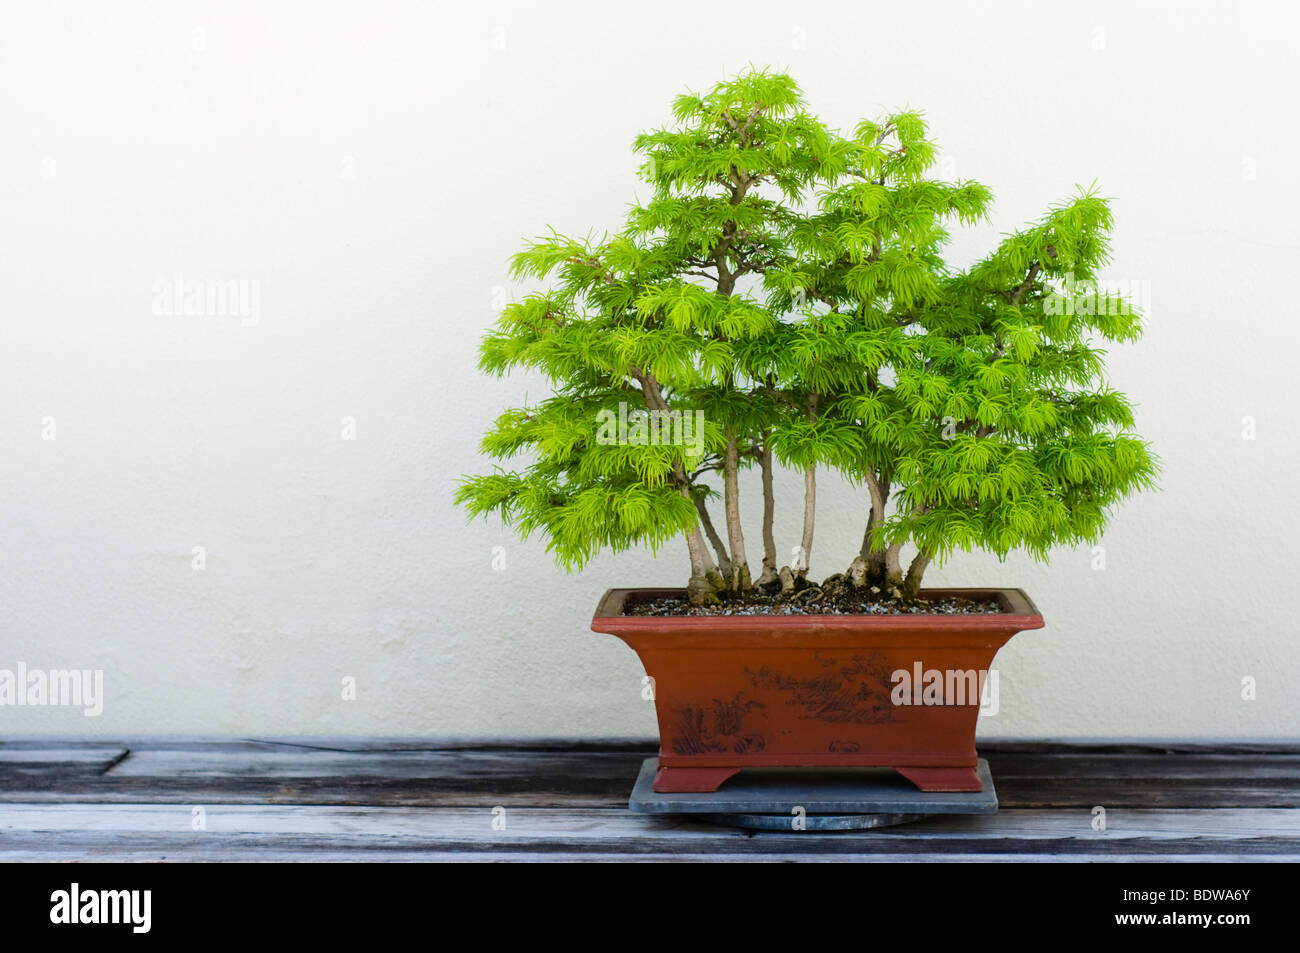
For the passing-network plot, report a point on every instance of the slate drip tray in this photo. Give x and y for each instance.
(795, 799)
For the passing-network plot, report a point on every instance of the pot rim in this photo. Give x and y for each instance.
(1019, 613)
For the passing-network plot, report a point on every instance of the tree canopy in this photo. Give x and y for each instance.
(783, 291)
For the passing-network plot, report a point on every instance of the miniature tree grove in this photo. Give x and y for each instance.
(781, 299)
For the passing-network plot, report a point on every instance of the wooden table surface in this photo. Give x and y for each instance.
(343, 799)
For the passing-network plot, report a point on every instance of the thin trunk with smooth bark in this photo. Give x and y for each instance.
(740, 580)
(872, 556)
(809, 518)
(894, 565)
(912, 584)
(705, 581)
(809, 503)
(702, 589)
(769, 574)
(719, 547)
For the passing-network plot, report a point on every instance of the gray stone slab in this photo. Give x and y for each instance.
(839, 791)
(809, 822)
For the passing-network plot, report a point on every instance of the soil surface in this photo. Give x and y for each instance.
(813, 602)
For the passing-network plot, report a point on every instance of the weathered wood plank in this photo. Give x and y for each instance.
(247, 832)
(131, 799)
(1086, 765)
(1064, 748)
(66, 755)
(582, 823)
(208, 765)
(55, 762)
(281, 762)
(590, 792)
(592, 775)
(216, 853)
(597, 774)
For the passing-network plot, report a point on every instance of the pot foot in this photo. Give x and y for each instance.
(691, 780)
(943, 779)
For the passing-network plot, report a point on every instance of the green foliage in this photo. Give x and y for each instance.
(789, 283)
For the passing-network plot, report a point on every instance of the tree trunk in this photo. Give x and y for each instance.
(894, 565)
(769, 575)
(705, 581)
(874, 557)
(740, 580)
(912, 584)
(719, 547)
(809, 504)
(809, 516)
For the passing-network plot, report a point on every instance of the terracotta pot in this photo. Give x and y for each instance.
(821, 691)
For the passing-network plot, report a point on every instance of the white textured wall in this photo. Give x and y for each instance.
(373, 165)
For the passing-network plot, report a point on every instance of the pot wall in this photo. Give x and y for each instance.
(816, 691)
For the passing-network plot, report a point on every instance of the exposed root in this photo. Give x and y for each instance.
(787, 580)
(857, 573)
(700, 591)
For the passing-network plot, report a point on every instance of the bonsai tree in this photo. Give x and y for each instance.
(781, 298)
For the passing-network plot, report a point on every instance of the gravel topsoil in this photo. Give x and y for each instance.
(813, 603)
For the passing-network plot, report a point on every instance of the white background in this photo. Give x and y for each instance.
(374, 166)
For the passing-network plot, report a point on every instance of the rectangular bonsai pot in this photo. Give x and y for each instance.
(817, 691)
